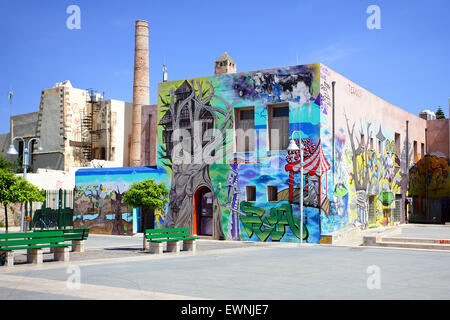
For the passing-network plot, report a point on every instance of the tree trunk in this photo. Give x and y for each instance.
(6, 218)
(144, 242)
(186, 180)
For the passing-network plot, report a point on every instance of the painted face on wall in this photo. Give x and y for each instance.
(389, 149)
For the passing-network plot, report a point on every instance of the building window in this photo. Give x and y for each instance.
(251, 193)
(397, 149)
(103, 153)
(371, 143)
(415, 151)
(207, 126)
(245, 129)
(422, 150)
(21, 151)
(380, 150)
(278, 127)
(272, 193)
(31, 153)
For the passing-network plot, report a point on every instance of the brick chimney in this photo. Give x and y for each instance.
(141, 89)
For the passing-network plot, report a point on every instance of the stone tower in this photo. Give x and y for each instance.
(224, 65)
(141, 89)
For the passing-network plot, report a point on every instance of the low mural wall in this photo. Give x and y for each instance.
(98, 199)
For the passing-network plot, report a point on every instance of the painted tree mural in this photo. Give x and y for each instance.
(193, 129)
(98, 202)
(360, 173)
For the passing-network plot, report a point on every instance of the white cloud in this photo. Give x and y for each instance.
(333, 52)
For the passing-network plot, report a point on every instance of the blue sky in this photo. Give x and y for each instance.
(406, 62)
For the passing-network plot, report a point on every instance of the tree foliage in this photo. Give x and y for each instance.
(15, 189)
(440, 114)
(7, 180)
(5, 164)
(23, 191)
(147, 194)
(12, 166)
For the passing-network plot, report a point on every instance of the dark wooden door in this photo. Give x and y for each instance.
(147, 219)
(206, 213)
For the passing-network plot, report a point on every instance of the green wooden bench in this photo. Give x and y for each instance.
(34, 242)
(77, 236)
(173, 237)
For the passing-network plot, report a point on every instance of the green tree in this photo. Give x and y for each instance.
(12, 166)
(146, 195)
(5, 164)
(7, 180)
(440, 114)
(15, 189)
(25, 192)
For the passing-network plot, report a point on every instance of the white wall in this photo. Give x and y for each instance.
(120, 131)
(52, 179)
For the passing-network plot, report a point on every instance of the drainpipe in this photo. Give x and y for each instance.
(108, 132)
(333, 126)
(426, 170)
(404, 218)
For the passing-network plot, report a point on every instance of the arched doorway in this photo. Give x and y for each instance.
(203, 212)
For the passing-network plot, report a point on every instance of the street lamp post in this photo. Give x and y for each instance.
(25, 163)
(294, 147)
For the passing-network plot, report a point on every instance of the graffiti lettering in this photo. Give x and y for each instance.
(324, 72)
(257, 222)
(325, 89)
(354, 91)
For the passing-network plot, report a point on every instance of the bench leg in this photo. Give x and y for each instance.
(174, 246)
(52, 250)
(35, 256)
(62, 254)
(79, 246)
(9, 258)
(189, 245)
(156, 247)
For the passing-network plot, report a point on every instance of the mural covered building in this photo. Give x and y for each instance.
(222, 151)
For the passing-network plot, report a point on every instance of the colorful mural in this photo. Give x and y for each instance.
(429, 188)
(367, 182)
(98, 199)
(211, 102)
(218, 192)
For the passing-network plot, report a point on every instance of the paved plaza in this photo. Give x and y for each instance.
(115, 267)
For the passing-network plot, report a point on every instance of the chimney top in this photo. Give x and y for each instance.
(225, 57)
(224, 65)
